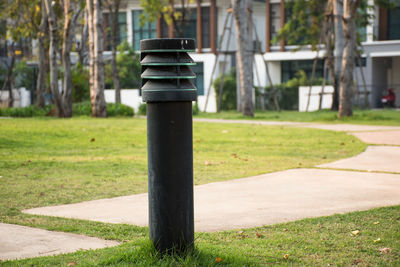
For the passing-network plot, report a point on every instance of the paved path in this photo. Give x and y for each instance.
(256, 201)
(26, 242)
(323, 126)
(375, 158)
(248, 202)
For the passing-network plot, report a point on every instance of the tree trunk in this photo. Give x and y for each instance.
(346, 79)
(114, 9)
(242, 11)
(83, 50)
(53, 56)
(69, 29)
(41, 79)
(9, 81)
(99, 107)
(339, 43)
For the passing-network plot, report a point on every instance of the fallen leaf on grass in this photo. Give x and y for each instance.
(377, 240)
(218, 260)
(354, 233)
(92, 140)
(376, 223)
(259, 235)
(385, 250)
(286, 256)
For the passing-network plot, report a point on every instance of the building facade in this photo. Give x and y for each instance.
(206, 20)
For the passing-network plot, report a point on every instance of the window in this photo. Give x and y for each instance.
(205, 14)
(290, 68)
(190, 26)
(139, 32)
(275, 18)
(122, 29)
(198, 69)
(394, 24)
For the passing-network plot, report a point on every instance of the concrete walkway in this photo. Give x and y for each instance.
(255, 201)
(19, 242)
(323, 126)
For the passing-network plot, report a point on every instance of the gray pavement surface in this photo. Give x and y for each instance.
(379, 137)
(375, 158)
(19, 242)
(255, 201)
(323, 126)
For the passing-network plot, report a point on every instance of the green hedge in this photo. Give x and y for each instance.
(78, 109)
(30, 111)
(85, 109)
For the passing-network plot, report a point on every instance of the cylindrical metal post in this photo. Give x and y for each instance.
(169, 95)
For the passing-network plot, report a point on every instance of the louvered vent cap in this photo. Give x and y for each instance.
(166, 74)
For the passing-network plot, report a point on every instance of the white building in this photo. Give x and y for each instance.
(380, 60)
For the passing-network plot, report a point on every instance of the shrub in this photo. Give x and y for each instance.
(195, 109)
(142, 110)
(113, 110)
(80, 84)
(29, 111)
(228, 100)
(128, 68)
(82, 109)
(287, 93)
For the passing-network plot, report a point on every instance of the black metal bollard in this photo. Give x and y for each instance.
(169, 94)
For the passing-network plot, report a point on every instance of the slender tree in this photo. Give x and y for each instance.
(339, 46)
(72, 11)
(242, 12)
(23, 19)
(96, 64)
(41, 79)
(53, 37)
(113, 7)
(346, 78)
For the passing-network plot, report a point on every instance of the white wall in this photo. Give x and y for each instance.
(22, 97)
(208, 61)
(129, 97)
(315, 96)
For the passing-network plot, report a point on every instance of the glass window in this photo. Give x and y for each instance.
(290, 68)
(198, 69)
(147, 31)
(394, 24)
(189, 25)
(205, 13)
(122, 29)
(275, 18)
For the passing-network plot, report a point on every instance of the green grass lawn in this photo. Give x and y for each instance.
(51, 161)
(374, 117)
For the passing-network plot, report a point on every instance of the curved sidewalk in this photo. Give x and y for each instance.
(269, 198)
